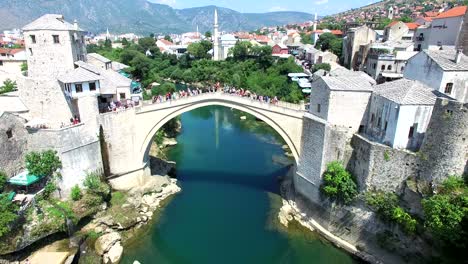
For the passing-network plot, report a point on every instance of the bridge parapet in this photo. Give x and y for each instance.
(279, 107)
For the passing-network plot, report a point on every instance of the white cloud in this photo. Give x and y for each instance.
(321, 2)
(165, 2)
(277, 8)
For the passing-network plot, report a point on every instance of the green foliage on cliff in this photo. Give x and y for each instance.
(7, 214)
(386, 206)
(338, 183)
(76, 193)
(446, 213)
(8, 86)
(321, 66)
(94, 185)
(3, 180)
(44, 163)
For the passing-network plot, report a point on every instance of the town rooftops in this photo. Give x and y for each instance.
(454, 12)
(98, 57)
(411, 25)
(347, 83)
(166, 42)
(79, 75)
(446, 59)
(51, 22)
(407, 92)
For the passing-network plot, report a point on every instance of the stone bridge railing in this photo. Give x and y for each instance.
(232, 98)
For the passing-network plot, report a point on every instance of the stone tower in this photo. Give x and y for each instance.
(445, 147)
(216, 50)
(390, 13)
(53, 45)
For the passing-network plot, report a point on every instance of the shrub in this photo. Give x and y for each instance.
(94, 185)
(7, 214)
(386, 206)
(43, 163)
(3, 180)
(76, 193)
(49, 189)
(339, 183)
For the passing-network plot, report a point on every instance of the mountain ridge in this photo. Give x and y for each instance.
(140, 16)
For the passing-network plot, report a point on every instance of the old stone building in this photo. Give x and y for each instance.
(352, 42)
(443, 70)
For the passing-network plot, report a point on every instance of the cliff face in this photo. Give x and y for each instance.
(138, 16)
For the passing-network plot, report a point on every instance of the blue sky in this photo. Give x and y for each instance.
(322, 7)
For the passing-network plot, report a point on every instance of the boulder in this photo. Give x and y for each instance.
(167, 142)
(104, 243)
(114, 254)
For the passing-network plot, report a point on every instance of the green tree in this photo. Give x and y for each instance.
(208, 34)
(8, 86)
(328, 41)
(241, 50)
(44, 163)
(321, 66)
(446, 213)
(168, 38)
(200, 50)
(7, 214)
(125, 42)
(108, 44)
(76, 193)
(339, 183)
(24, 66)
(306, 39)
(3, 180)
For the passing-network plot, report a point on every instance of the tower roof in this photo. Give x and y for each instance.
(51, 22)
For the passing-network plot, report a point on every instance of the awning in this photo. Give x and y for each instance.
(37, 123)
(23, 179)
(299, 75)
(306, 91)
(392, 75)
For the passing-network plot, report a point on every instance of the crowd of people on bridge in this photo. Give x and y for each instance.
(226, 89)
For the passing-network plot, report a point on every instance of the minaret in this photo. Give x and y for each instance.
(216, 37)
(198, 34)
(107, 34)
(315, 22)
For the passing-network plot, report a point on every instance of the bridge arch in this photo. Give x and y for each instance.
(280, 121)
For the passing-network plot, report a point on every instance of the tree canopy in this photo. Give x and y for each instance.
(328, 41)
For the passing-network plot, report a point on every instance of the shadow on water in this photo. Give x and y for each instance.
(263, 183)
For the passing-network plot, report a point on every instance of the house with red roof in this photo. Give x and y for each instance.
(444, 30)
(398, 30)
(11, 60)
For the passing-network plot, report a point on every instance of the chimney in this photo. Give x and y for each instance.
(75, 24)
(458, 55)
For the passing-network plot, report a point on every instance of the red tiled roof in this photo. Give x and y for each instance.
(454, 12)
(412, 25)
(392, 23)
(430, 14)
(337, 32)
(166, 42)
(10, 51)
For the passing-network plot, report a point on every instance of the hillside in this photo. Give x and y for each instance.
(139, 16)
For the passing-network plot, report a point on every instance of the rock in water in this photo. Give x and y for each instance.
(243, 117)
(104, 243)
(114, 254)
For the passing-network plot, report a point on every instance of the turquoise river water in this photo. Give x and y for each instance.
(228, 170)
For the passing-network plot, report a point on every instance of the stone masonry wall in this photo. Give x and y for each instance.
(379, 167)
(445, 149)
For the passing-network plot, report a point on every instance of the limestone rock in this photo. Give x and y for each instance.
(104, 243)
(114, 254)
(243, 117)
(167, 142)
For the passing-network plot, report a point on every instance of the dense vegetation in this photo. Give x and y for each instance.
(8, 86)
(386, 206)
(338, 183)
(446, 214)
(328, 41)
(250, 67)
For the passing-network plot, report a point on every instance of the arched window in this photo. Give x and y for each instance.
(389, 67)
(382, 68)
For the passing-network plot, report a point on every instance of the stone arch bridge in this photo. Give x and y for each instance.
(129, 134)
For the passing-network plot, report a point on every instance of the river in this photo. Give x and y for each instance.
(227, 210)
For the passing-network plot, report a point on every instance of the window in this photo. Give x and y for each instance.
(382, 68)
(33, 39)
(30, 52)
(122, 96)
(79, 87)
(1, 63)
(92, 86)
(448, 88)
(411, 132)
(374, 66)
(389, 67)
(385, 127)
(318, 108)
(402, 68)
(372, 119)
(379, 122)
(9, 133)
(56, 39)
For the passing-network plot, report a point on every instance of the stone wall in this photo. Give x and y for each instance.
(445, 149)
(78, 150)
(379, 167)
